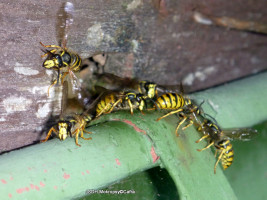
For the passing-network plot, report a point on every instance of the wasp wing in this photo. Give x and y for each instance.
(244, 134)
(64, 99)
(64, 22)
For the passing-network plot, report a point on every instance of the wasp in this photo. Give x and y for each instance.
(176, 102)
(59, 58)
(64, 128)
(220, 139)
(70, 125)
(120, 100)
(149, 90)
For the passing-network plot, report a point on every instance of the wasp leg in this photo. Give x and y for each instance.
(178, 126)
(131, 106)
(52, 51)
(49, 134)
(205, 136)
(170, 113)
(219, 158)
(63, 77)
(76, 139)
(188, 125)
(216, 151)
(151, 109)
(113, 106)
(50, 46)
(141, 106)
(55, 82)
(212, 143)
(82, 131)
(110, 110)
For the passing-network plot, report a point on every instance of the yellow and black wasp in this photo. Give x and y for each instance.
(112, 100)
(221, 140)
(61, 59)
(72, 124)
(149, 90)
(179, 104)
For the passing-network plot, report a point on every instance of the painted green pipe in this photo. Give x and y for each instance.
(123, 144)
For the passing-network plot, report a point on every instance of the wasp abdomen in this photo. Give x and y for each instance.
(170, 101)
(228, 154)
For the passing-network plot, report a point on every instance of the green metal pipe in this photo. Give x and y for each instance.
(123, 144)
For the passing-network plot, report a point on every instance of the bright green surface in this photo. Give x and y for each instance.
(122, 147)
(153, 184)
(119, 148)
(248, 174)
(237, 104)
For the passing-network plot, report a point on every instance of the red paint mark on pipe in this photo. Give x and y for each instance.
(83, 173)
(32, 186)
(117, 161)
(36, 187)
(42, 184)
(45, 170)
(155, 157)
(27, 189)
(3, 181)
(20, 190)
(10, 195)
(55, 187)
(66, 176)
(136, 128)
(87, 171)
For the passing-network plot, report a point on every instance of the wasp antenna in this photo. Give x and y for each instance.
(181, 87)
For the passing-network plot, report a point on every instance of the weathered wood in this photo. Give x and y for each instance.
(156, 40)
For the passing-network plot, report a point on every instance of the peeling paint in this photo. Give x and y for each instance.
(134, 4)
(26, 71)
(135, 45)
(43, 111)
(32, 21)
(200, 75)
(42, 184)
(38, 90)
(155, 157)
(49, 72)
(3, 181)
(198, 17)
(189, 79)
(66, 176)
(117, 161)
(2, 119)
(15, 104)
(95, 35)
(176, 18)
(136, 128)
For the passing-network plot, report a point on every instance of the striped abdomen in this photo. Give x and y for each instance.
(171, 101)
(105, 103)
(228, 153)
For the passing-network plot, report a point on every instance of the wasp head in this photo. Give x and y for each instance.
(55, 61)
(63, 130)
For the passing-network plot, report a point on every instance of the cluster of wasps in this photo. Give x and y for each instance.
(132, 94)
